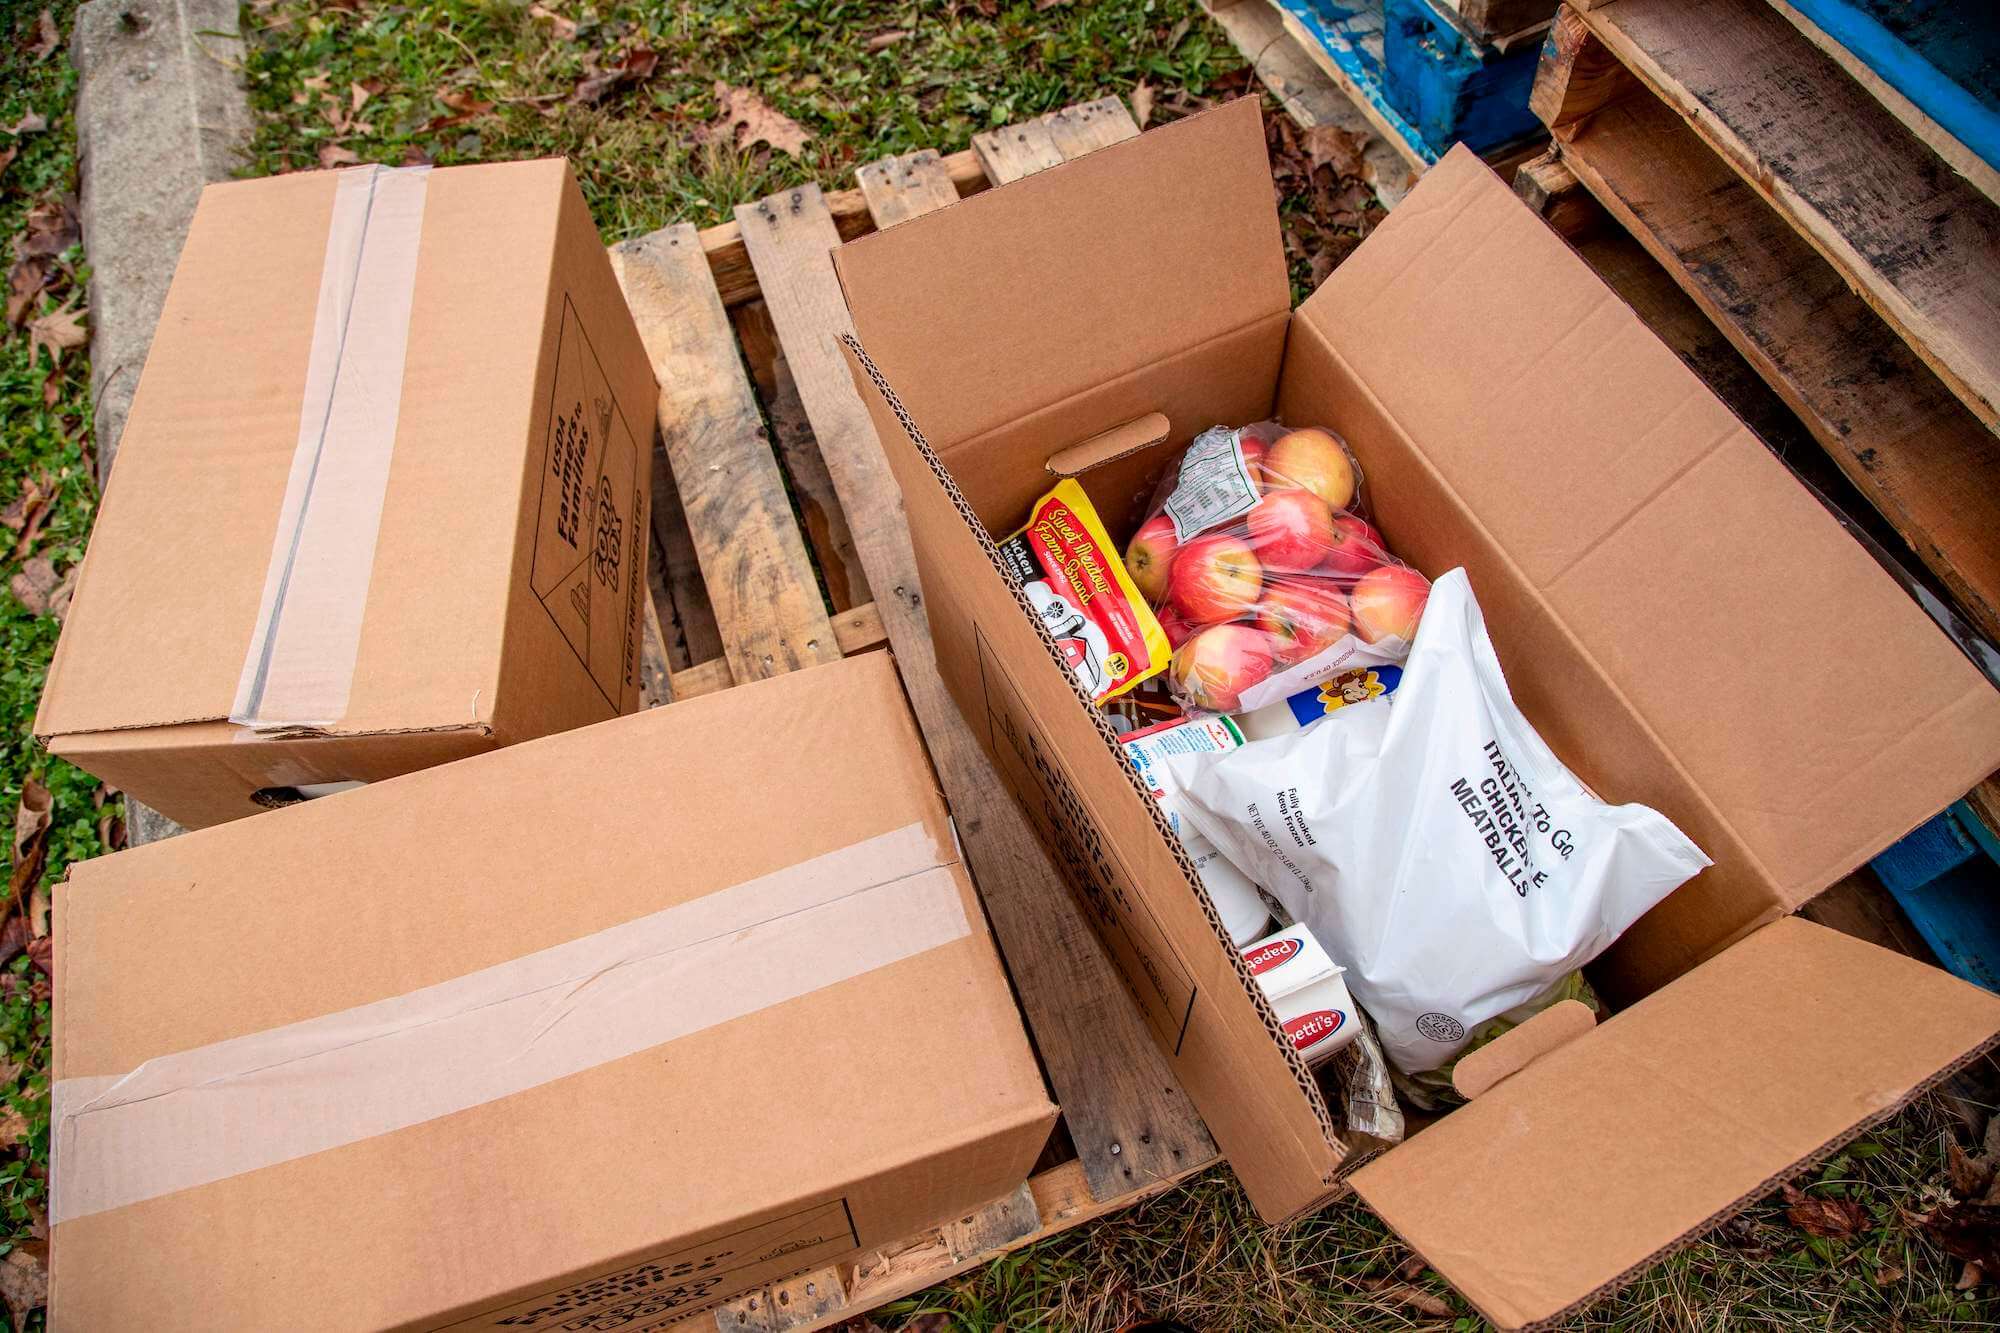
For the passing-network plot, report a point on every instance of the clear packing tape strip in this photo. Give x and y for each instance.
(299, 670)
(253, 1101)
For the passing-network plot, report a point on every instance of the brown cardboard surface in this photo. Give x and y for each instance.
(916, 1093)
(1677, 618)
(1610, 1149)
(1065, 308)
(452, 636)
(1080, 792)
(1647, 519)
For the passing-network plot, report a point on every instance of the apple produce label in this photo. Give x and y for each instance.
(1079, 589)
(1437, 848)
(1214, 485)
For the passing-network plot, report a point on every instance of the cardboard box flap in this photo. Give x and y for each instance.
(1607, 1152)
(168, 601)
(1176, 230)
(1642, 512)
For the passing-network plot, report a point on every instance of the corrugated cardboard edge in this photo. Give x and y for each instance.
(1695, 1233)
(1300, 1073)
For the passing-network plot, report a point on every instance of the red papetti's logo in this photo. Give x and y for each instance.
(1313, 1028)
(1267, 956)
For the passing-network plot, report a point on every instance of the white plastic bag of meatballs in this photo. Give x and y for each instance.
(1263, 571)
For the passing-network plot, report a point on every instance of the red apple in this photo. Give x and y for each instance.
(1388, 602)
(1316, 460)
(1150, 555)
(1292, 530)
(1214, 578)
(1303, 619)
(1178, 630)
(1255, 445)
(1357, 548)
(1218, 664)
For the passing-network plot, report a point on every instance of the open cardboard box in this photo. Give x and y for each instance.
(1684, 624)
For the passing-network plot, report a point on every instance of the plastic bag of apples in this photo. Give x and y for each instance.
(1263, 571)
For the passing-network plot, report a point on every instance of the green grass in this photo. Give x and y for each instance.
(643, 155)
(646, 157)
(46, 409)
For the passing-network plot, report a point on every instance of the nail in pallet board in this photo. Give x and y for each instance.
(1420, 74)
(1129, 1128)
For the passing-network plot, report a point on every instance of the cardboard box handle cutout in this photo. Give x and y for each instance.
(1121, 440)
(1510, 1052)
(299, 669)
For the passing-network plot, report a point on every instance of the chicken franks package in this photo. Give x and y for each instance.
(1070, 570)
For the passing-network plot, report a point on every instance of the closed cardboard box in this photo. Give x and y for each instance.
(382, 499)
(1682, 622)
(595, 1031)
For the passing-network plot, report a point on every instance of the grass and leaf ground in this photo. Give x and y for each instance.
(676, 112)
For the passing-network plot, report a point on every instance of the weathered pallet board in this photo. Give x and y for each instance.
(760, 580)
(1899, 434)
(1925, 73)
(1912, 237)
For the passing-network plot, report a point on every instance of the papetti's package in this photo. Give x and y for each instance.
(382, 500)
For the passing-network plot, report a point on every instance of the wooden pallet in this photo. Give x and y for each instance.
(1869, 395)
(780, 543)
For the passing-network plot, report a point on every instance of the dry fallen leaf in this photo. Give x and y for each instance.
(333, 155)
(34, 122)
(883, 40)
(36, 516)
(562, 29)
(1833, 1219)
(634, 67)
(33, 497)
(47, 37)
(13, 1127)
(24, 1282)
(1427, 1303)
(1974, 1274)
(24, 285)
(464, 106)
(42, 953)
(1142, 103)
(37, 588)
(359, 93)
(52, 227)
(60, 330)
(31, 836)
(753, 120)
(38, 911)
(1331, 146)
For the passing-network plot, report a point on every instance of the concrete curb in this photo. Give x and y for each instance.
(161, 111)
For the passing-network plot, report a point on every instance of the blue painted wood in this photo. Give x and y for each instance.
(1451, 88)
(1946, 878)
(1351, 36)
(1423, 76)
(1944, 55)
